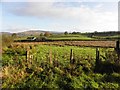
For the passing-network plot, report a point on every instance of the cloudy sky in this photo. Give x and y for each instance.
(59, 15)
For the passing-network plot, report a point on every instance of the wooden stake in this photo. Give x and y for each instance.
(97, 56)
(117, 45)
(118, 50)
(71, 56)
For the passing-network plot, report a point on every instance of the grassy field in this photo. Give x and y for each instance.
(49, 66)
(115, 37)
(63, 53)
(69, 37)
(60, 37)
(60, 64)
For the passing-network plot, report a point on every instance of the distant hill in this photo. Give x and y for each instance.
(38, 32)
(35, 32)
(5, 33)
(30, 32)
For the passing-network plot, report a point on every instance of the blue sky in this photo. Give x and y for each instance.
(59, 16)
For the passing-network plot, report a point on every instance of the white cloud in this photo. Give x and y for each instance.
(84, 17)
(59, 0)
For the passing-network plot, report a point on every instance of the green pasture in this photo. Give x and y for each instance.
(39, 73)
(69, 37)
(108, 37)
(62, 54)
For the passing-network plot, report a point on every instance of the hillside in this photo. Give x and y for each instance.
(35, 32)
(30, 32)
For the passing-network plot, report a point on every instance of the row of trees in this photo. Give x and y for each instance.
(107, 33)
(46, 34)
(72, 33)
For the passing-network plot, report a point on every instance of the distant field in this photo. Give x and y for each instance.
(21, 38)
(62, 37)
(69, 37)
(108, 37)
(74, 43)
(72, 37)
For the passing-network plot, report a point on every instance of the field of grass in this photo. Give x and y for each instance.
(63, 53)
(69, 37)
(21, 38)
(50, 66)
(59, 37)
(115, 37)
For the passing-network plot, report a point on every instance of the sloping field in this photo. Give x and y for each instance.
(74, 43)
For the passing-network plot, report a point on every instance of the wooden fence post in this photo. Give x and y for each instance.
(72, 62)
(97, 56)
(97, 62)
(118, 50)
(117, 45)
(27, 53)
(29, 56)
(71, 56)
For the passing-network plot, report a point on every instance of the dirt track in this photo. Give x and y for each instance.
(73, 43)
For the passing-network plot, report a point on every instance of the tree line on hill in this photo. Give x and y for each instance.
(6, 39)
(109, 33)
(95, 33)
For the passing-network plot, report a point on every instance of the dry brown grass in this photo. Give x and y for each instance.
(72, 43)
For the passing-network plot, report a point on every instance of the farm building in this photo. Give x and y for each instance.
(31, 38)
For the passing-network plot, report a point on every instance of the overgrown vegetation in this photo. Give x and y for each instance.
(46, 66)
(6, 40)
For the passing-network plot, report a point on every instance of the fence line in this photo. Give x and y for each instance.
(29, 56)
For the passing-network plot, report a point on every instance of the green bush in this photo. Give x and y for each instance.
(6, 40)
